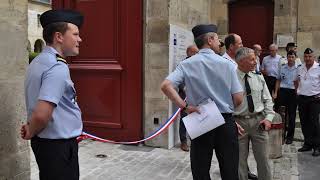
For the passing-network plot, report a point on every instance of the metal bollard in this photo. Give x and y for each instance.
(276, 137)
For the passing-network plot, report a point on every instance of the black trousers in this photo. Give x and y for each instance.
(271, 83)
(288, 98)
(57, 159)
(309, 110)
(182, 128)
(225, 141)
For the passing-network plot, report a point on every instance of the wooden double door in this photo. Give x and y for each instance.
(108, 71)
(253, 20)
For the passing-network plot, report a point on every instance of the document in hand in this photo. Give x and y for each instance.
(208, 119)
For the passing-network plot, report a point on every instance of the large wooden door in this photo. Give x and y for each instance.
(253, 21)
(108, 72)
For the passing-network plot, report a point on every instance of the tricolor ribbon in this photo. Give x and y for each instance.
(85, 135)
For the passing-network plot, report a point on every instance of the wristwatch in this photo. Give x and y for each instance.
(185, 107)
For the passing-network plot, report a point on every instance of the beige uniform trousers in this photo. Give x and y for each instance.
(259, 141)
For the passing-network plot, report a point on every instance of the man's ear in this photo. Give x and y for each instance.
(209, 41)
(58, 37)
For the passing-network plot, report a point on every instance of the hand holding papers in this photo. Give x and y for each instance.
(208, 119)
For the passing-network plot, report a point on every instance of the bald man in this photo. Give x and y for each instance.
(192, 50)
(257, 51)
(232, 42)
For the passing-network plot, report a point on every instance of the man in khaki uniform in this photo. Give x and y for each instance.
(254, 115)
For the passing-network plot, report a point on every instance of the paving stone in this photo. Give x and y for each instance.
(124, 162)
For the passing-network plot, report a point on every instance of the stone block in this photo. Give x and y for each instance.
(222, 26)
(282, 7)
(153, 80)
(304, 40)
(156, 108)
(157, 9)
(285, 24)
(156, 56)
(157, 30)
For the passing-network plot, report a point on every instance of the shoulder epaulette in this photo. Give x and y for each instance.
(59, 58)
(257, 72)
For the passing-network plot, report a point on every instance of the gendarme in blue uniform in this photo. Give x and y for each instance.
(49, 80)
(208, 75)
(287, 75)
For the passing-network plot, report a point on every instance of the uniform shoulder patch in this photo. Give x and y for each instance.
(257, 72)
(59, 58)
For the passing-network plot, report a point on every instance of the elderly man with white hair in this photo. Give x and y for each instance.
(270, 67)
(254, 115)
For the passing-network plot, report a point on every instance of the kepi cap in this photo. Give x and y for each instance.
(291, 44)
(308, 51)
(62, 15)
(201, 29)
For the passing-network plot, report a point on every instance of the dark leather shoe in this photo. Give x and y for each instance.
(289, 141)
(304, 148)
(252, 176)
(184, 147)
(316, 152)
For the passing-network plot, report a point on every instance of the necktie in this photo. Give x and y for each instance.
(249, 96)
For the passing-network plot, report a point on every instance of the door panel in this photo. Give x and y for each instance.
(253, 21)
(108, 71)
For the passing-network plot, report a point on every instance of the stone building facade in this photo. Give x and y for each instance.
(14, 152)
(35, 9)
(295, 18)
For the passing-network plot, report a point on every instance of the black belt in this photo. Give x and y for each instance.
(53, 140)
(310, 97)
(249, 116)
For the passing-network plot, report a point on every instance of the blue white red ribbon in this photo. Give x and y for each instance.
(85, 135)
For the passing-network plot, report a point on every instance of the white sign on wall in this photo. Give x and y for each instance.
(283, 40)
(180, 39)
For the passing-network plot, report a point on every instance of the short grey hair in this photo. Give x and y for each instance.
(243, 52)
(273, 45)
(202, 40)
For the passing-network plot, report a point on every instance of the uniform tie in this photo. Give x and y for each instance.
(249, 96)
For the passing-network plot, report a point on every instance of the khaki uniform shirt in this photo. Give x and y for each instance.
(260, 95)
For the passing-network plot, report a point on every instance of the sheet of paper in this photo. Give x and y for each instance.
(208, 119)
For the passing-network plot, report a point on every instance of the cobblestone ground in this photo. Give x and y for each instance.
(124, 162)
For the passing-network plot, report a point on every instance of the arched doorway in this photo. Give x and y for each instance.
(38, 45)
(253, 21)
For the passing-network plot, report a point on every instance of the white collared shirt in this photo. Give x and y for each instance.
(309, 80)
(226, 56)
(271, 65)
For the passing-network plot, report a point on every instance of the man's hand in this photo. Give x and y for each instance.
(240, 129)
(25, 132)
(190, 109)
(267, 124)
(274, 95)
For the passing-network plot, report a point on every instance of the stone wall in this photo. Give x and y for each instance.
(35, 9)
(308, 34)
(156, 54)
(158, 15)
(14, 152)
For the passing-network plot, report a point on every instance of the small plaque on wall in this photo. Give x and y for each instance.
(283, 40)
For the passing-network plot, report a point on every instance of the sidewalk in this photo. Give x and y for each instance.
(124, 162)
